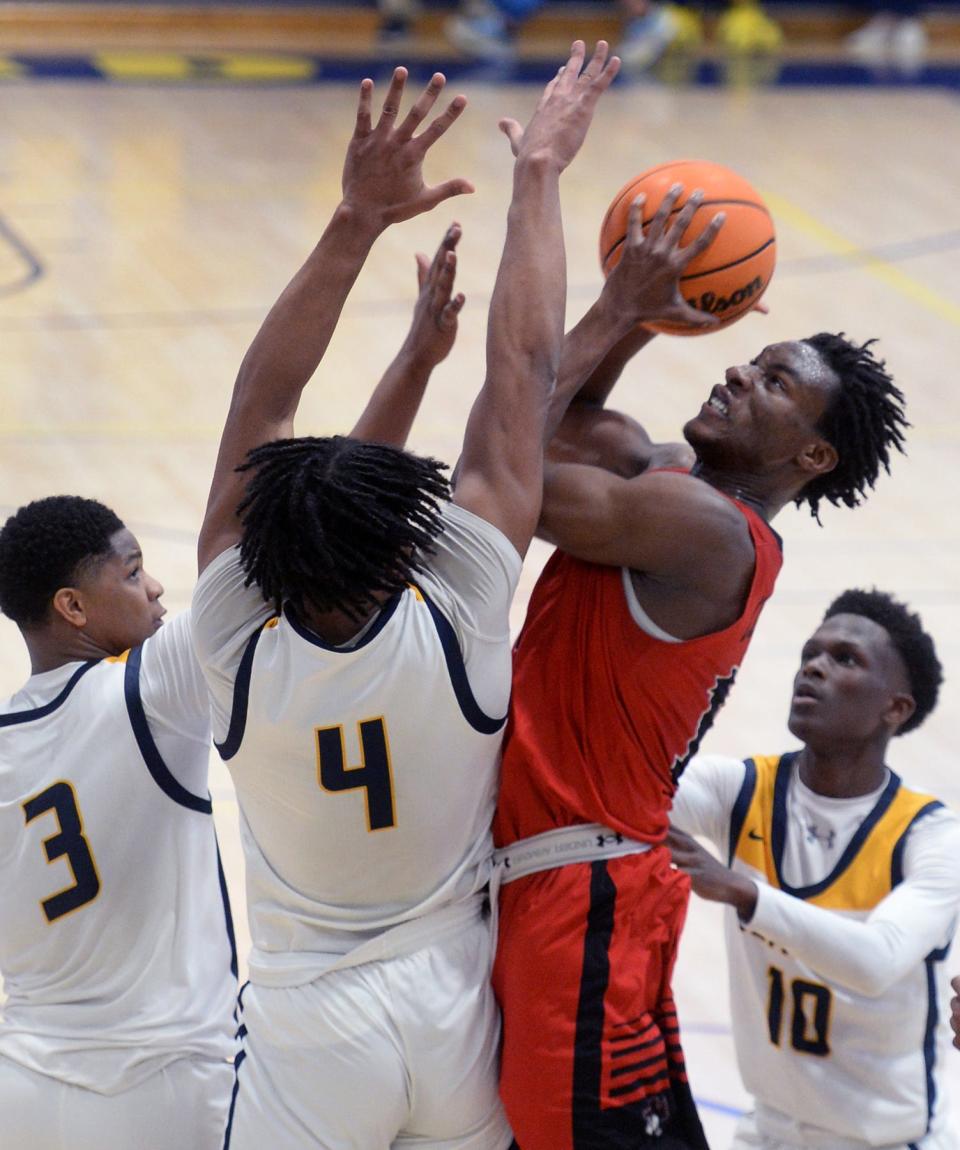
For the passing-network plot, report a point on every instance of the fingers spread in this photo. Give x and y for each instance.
(429, 136)
(448, 317)
(686, 214)
(363, 108)
(705, 239)
(423, 269)
(514, 133)
(418, 113)
(430, 197)
(658, 224)
(635, 221)
(570, 72)
(391, 104)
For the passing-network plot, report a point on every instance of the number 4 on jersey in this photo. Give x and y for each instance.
(373, 775)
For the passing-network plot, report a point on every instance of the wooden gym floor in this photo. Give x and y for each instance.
(145, 230)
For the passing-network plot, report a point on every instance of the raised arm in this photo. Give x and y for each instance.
(382, 184)
(392, 408)
(644, 287)
(499, 476)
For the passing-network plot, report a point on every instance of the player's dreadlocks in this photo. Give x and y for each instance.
(329, 522)
(906, 632)
(864, 421)
(49, 544)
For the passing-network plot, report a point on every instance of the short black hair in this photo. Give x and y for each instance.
(863, 422)
(47, 545)
(332, 521)
(913, 644)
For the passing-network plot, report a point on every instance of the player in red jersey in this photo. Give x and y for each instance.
(633, 637)
(955, 1012)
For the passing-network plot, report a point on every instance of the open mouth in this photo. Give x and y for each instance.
(719, 401)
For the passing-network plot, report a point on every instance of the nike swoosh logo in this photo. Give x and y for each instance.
(753, 835)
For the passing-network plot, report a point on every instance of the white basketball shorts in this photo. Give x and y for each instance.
(183, 1105)
(395, 1053)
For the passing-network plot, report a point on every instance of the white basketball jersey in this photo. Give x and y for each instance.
(116, 945)
(865, 1068)
(366, 775)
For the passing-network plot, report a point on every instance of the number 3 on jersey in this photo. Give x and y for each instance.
(373, 776)
(69, 841)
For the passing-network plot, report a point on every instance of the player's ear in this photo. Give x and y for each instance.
(899, 710)
(68, 604)
(818, 457)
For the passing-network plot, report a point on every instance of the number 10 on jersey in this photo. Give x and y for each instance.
(374, 774)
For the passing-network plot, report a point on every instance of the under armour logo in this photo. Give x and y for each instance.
(825, 839)
(752, 834)
(615, 837)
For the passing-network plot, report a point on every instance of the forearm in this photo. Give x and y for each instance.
(525, 326)
(393, 406)
(280, 361)
(592, 359)
(862, 956)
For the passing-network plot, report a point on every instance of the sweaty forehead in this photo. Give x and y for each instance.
(803, 362)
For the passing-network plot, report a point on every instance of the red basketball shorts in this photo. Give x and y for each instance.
(591, 1048)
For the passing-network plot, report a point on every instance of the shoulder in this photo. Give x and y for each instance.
(472, 533)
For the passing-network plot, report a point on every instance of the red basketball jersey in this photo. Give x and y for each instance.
(604, 716)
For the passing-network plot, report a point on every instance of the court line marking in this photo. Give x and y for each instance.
(841, 253)
(872, 262)
(34, 268)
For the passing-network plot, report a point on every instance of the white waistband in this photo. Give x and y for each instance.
(585, 842)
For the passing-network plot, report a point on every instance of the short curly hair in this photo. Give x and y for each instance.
(864, 422)
(47, 545)
(913, 644)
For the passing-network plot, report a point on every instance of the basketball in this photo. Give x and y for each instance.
(728, 278)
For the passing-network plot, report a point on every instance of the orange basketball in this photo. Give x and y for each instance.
(733, 273)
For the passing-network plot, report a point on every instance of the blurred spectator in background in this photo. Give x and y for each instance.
(894, 34)
(487, 29)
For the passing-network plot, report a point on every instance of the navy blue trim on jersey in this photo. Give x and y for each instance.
(241, 697)
(48, 708)
(896, 862)
(740, 807)
(930, 1033)
(237, 1063)
(301, 628)
(148, 748)
(779, 832)
(477, 718)
(227, 913)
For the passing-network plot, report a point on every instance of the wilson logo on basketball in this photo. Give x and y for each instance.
(717, 305)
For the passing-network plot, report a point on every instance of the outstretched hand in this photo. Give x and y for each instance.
(559, 124)
(709, 877)
(383, 170)
(434, 327)
(645, 284)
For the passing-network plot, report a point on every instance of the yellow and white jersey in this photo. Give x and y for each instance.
(116, 945)
(839, 989)
(366, 774)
